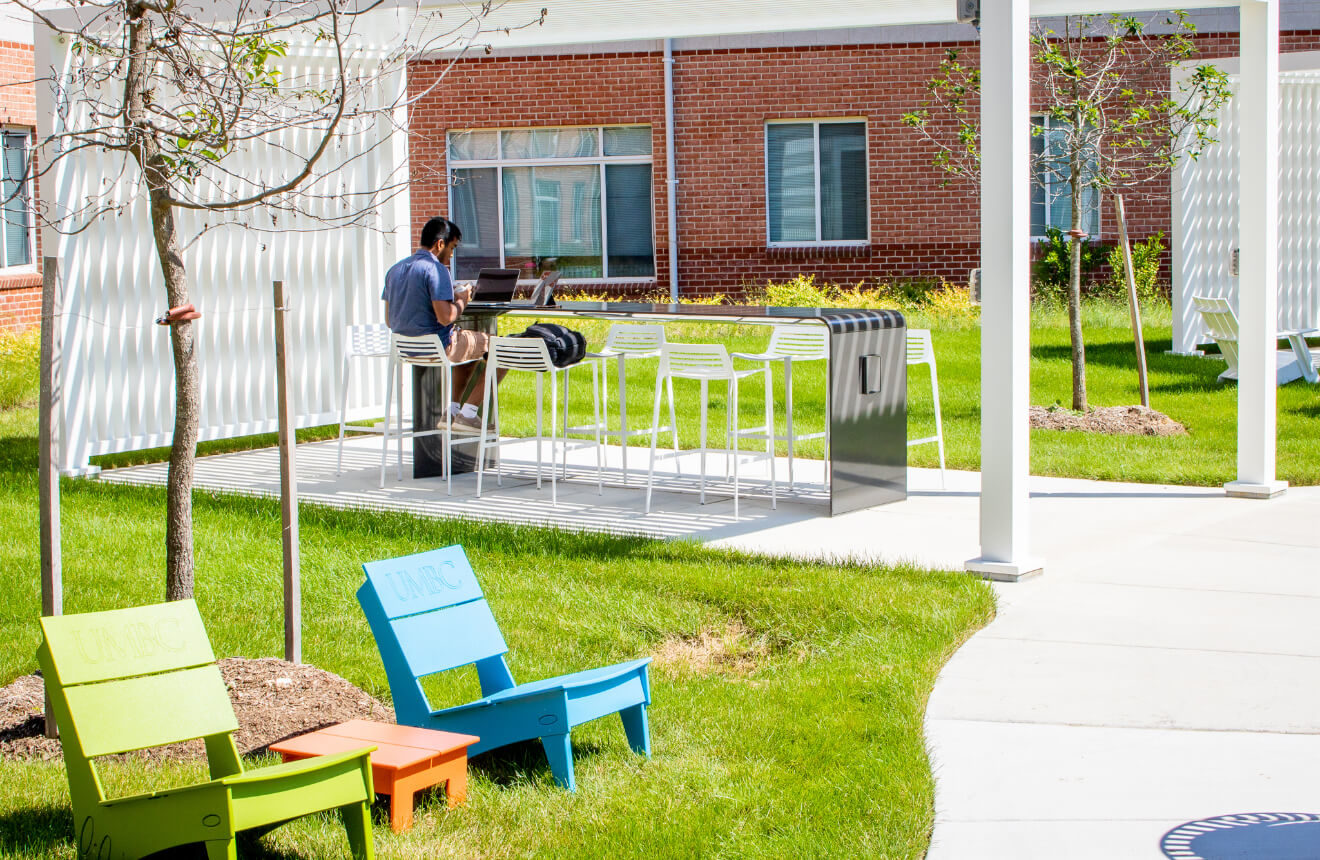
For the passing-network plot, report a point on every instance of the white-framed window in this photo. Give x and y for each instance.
(576, 200)
(16, 250)
(816, 182)
(1051, 195)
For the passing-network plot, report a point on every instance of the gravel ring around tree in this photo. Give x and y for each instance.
(273, 700)
(1124, 420)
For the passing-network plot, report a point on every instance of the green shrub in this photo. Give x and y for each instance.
(20, 356)
(1145, 266)
(910, 292)
(951, 305)
(658, 297)
(933, 298)
(800, 292)
(1052, 272)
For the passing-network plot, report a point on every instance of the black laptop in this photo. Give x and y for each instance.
(495, 286)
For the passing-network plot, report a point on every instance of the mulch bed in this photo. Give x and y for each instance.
(273, 700)
(1131, 420)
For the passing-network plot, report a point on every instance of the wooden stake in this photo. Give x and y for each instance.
(48, 476)
(288, 488)
(1133, 309)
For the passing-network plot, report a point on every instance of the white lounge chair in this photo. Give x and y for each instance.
(1221, 324)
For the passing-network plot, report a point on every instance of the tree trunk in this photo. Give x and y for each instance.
(1075, 283)
(183, 451)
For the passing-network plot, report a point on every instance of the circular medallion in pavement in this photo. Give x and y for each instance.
(1246, 836)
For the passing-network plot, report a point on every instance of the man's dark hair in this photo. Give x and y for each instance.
(439, 230)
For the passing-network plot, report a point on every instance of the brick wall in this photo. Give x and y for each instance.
(18, 101)
(20, 302)
(530, 92)
(20, 293)
(723, 98)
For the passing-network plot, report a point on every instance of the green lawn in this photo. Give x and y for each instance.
(806, 742)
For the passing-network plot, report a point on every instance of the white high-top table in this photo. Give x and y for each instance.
(867, 384)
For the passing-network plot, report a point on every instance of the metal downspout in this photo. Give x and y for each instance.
(672, 178)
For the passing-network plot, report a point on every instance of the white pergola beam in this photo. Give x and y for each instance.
(1005, 292)
(1258, 242)
(1054, 8)
(578, 22)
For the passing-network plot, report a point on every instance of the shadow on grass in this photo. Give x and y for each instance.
(1305, 410)
(250, 846)
(1189, 387)
(524, 762)
(43, 830)
(1122, 355)
(18, 456)
(35, 830)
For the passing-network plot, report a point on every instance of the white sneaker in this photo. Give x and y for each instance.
(464, 424)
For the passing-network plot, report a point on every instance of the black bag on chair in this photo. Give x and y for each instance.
(564, 345)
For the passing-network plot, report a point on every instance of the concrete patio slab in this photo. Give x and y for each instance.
(1070, 791)
(1100, 613)
(1222, 564)
(1065, 683)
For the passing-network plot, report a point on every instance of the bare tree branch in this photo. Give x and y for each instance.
(255, 117)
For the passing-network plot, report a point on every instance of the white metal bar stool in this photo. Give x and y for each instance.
(920, 350)
(791, 344)
(360, 341)
(530, 354)
(623, 342)
(711, 363)
(427, 351)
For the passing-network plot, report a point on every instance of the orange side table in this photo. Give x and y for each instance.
(407, 760)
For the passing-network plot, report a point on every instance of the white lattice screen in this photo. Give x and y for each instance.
(117, 372)
(1205, 210)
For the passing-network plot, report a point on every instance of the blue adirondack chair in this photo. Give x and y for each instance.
(428, 615)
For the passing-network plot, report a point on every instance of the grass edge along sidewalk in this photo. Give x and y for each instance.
(788, 697)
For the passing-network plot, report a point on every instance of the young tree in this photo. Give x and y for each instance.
(1114, 122)
(189, 96)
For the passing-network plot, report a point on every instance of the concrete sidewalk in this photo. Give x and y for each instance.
(1160, 671)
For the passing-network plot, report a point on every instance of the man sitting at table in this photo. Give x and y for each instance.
(420, 299)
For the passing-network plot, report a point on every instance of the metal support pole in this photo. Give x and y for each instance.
(671, 177)
(48, 476)
(1134, 309)
(288, 487)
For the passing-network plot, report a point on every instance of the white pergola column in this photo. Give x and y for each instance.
(1005, 291)
(1258, 240)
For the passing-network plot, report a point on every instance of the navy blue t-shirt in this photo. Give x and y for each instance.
(410, 286)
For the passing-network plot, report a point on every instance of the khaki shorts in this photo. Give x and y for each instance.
(466, 345)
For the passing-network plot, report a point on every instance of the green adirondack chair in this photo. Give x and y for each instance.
(131, 679)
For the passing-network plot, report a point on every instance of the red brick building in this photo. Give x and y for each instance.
(791, 157)
(20, 278)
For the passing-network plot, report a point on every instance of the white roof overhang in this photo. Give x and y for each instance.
(576, 22)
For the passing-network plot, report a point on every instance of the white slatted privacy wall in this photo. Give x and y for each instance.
(1205, 211)
(118, 371)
